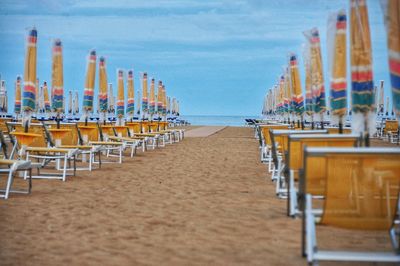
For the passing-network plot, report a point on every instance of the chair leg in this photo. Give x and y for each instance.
(65, 168)
(9, 182)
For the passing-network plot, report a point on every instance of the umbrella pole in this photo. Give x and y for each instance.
(341, 124)
(58, 120)
(322, 121)
(366, 133)
(302, 123)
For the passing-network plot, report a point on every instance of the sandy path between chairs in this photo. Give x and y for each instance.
(204, 201)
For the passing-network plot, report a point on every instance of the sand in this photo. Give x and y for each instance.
(204, 201)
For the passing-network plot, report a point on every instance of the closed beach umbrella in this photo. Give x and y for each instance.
(297, 96)
(75, 110)
(164, 100)
(168, 105)
(130, 107)
(145, 106)
(111, 104)
(17, 103)
(309, 108)
(57, 78)
(381, 98)
(393, 39)
(3, 97)
(47, 107)
(138, 102)
(317, 80)
(361, 68)
(70, 102)
(287, 94)
(103, 88)
(160, 98)
(152, 103)
(121, 95)
(338, 65)
(89, 84)
(29, 93)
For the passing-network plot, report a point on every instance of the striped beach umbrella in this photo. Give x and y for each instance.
(338, 64)
(361, 58)
(17, 102)
(317, 80)
(103, 100)
(121, 94)
(89, 83)
(381, 100)
(138, 102)
(160, 98)
(130, 108)
(309, 106)
(164, 100)
(57, 78)
(29, 92)
(287, 93)
(168, 105)
(393, 36)
(152, 103)
(297, 96)
(145, 106)
(46, 98)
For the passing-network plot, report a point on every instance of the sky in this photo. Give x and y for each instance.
(216, 57)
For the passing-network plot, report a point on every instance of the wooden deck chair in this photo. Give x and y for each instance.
(141, 129)
(44, 152)
(335, 130)
(279, 149)
(297, 144)
(73, 140)
(96, 138)
(361, 193)
(9, 168)
(265, 142)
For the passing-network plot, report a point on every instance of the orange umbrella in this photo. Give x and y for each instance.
(160, 98)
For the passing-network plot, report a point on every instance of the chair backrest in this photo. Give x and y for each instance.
(163, 125)
(134, 127)
(265, 131)
(361, 188)
(3, 145)
(36, 128)
(153, 126)
(391, 126)
(297, 143)
(335, 130)
(94, 134)
(3, 125)
(281, 138)
(71, 137)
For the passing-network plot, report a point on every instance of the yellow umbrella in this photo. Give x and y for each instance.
(47, 107)
(121, 95)
(152, 104)
(338, 70)
(297, 97)
(29, 93)
(145, 107)
(130, 108)
(164, 100)
(160, 99)
(361, 66)
(89, 85)
(393, 40)
(103, 88)
(17, 105)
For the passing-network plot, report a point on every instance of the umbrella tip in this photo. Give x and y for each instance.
(33, 32)
(44, 83)
(130, 72)
(120, 73)
(102, 59)
(57, 42)
(93, 52)
(144, 75)
(18, 78)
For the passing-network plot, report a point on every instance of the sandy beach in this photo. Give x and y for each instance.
(203, 201)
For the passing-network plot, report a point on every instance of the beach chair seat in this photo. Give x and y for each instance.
(297, 144)
(279, 148)
(361, 193)
(9, 168)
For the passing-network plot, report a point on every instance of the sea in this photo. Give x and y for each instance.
(217, 120)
